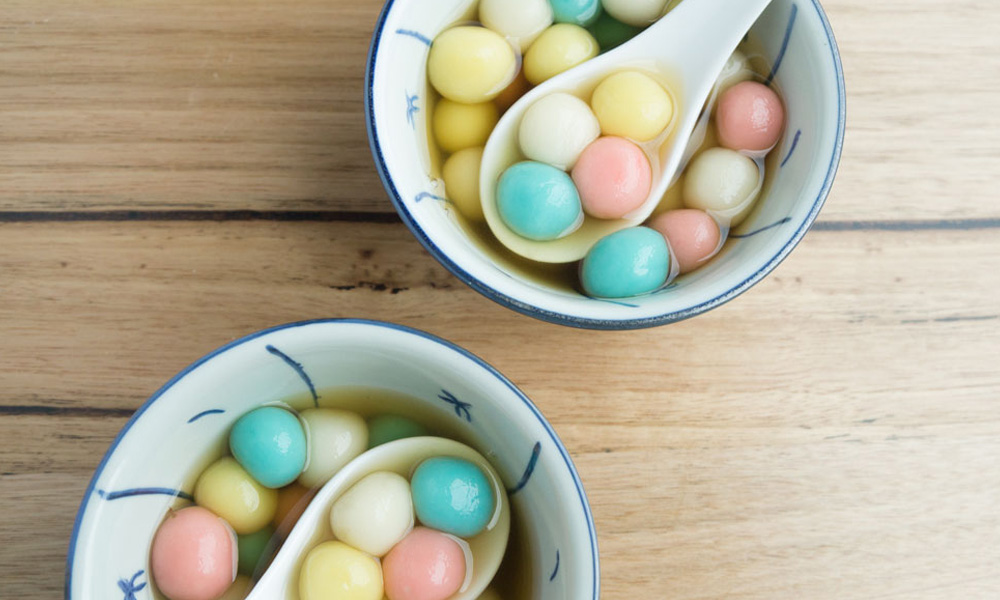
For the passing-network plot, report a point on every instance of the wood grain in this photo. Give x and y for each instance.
(225, 105)
(832, 433)
(176, 174)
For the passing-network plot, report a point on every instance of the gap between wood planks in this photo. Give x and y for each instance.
(388, 217)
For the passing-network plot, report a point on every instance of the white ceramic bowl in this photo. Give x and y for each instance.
(170, 438)
(794, 34)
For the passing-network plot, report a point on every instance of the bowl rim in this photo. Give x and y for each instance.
(587, 322)
(476, 360)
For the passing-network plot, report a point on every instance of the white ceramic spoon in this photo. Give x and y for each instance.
(281, 579)
(689, 47)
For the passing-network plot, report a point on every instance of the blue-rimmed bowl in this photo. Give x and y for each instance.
(796, 38)
(153, 463)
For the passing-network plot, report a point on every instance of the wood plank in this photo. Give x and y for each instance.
(219, 105)
(858, 313)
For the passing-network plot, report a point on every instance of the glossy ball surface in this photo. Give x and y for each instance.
(633, 105)
(693, 236)
(559, 48)
(520, 20)
(336, 437)
(458, 126)
(453, 495)
(375, 514)
(750, 117)
(556, 129)
(193, 556)
(614, 178)
(626, 263)
(635, 12)
(538, 201)
(576, 12)
(470, 64)
(335, 571)
(270, 444)
(722, 181)
(461, 184)
(426, 565)
(229, 491)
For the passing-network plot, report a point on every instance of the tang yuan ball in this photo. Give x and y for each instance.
(252, 548)
(559, 48)
(335, 571)
(750, 117)
(576, 12)
(638, 13)
(239, 590)
(292, 502)
(737, 69)
(426, 565)
(470, 64)
(626, 263)
(520, 20)
(226, 489)
(375, 514)
(722, 181)
(461, 184)
(538, 201)
(336, 437)
(613, 177)
(693, 235)
(633, 105)
(453, 495)
(611, 33)
(458, 126)
(513, 92)
(556, 129)
(270, 444)
(389, 428)
(193, 555)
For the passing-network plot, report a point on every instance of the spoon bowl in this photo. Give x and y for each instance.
(280, 580)
(687, 49)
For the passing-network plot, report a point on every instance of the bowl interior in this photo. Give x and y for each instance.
(793, 35)
(183, 427)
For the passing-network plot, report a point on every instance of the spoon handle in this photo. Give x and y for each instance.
(701, 34)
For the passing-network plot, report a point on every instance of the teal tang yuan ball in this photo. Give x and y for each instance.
(538, 201)
(626, 263)
(452, 495)
(270, 444)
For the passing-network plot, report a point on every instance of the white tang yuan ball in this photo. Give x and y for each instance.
(557, 129)
(737, 70)
(520, 20)
(375, 514)
(723, 182)
(635, 12)
(336, 437)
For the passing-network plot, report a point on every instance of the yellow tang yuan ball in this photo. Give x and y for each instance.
(559, 48)
(459, 126)
(335, 571)
(226, 489)
(461, 182)
(633, 105)
(470, 64)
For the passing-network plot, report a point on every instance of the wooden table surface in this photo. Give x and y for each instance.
(175, 174)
